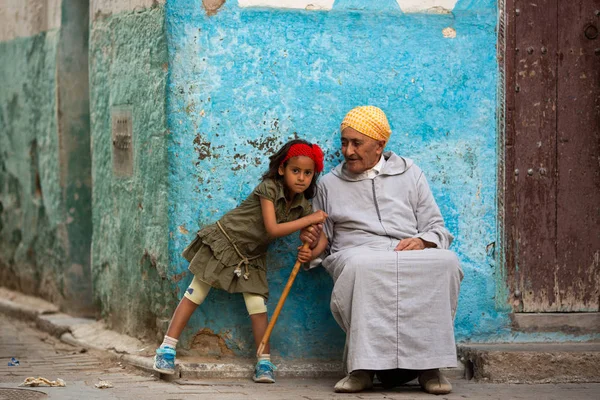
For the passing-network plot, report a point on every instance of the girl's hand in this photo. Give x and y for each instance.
(318, 217)
(304, 255)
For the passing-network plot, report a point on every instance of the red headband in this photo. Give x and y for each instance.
(314, 152)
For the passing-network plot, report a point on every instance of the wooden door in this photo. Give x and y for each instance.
(552, 150)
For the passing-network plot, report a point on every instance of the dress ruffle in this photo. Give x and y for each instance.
(213, 260)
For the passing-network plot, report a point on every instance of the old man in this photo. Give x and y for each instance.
(395, 283)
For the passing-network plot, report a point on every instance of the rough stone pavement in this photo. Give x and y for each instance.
(43, 355)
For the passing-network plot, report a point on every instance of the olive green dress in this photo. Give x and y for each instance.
(212, 256)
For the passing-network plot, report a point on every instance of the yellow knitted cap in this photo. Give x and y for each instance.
(368, 120)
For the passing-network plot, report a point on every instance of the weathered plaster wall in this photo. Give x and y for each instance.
(44, 212)
(31, 212)
(245, 80)
(128, 67)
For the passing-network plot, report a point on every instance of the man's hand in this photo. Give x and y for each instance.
(411, 244)
(311, 235)
(304, 255)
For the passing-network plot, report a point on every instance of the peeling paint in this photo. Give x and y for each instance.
(208, 343)
(449, 33)
(202, 147)
(212, 6)
(178, 277)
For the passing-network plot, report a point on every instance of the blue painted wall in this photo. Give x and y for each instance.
(244, 81)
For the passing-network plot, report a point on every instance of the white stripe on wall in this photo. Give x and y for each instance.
(407, 6)
(297, 4)
(433, 6)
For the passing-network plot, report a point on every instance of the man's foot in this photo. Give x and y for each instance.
(355, 381)
(432, 381)
(263, 372)
(164, 360)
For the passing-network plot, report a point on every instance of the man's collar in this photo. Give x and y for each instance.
(377, 168)
(372, 172)
(391, 164)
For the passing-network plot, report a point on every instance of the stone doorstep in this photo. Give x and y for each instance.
(91, 334)
(577, 323)
(532, 362)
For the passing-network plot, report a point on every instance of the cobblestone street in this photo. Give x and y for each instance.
(42, 355)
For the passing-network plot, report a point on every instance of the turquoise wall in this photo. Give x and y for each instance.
(128, 67)
(244, 81)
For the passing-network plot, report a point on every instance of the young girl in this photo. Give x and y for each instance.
(231, 254)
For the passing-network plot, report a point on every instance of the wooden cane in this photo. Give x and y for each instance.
(286, 290)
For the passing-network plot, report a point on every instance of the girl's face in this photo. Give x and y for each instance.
(297, 174)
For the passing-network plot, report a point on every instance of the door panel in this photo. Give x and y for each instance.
(552, 180)
(578, 152)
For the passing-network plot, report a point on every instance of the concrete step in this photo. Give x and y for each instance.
(532, 362)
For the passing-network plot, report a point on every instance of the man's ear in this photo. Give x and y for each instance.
(381, 146)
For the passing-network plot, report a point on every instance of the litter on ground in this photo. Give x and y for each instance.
(104, 385)
(31, 381)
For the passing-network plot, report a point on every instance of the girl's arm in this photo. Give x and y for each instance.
(276, 230)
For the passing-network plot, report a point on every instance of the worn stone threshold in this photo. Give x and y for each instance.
(532, 362)
(578, 323)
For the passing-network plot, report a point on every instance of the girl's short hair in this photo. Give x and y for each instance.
(275, 161)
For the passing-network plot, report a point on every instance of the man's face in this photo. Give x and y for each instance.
(360, 151)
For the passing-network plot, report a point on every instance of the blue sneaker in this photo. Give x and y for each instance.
(263, 372)
(164, 360)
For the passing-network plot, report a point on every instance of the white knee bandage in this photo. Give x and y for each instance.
(197, 291)
(255, 304)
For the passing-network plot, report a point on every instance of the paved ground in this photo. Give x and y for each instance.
(43, 355)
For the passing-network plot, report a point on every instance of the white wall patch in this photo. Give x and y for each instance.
(427, 6)
(295, 4)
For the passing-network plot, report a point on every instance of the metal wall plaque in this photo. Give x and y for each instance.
(122, 141)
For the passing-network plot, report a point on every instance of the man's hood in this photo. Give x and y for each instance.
(394, 165)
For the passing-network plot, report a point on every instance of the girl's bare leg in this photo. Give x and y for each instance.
(259, 326)
(182, 315)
